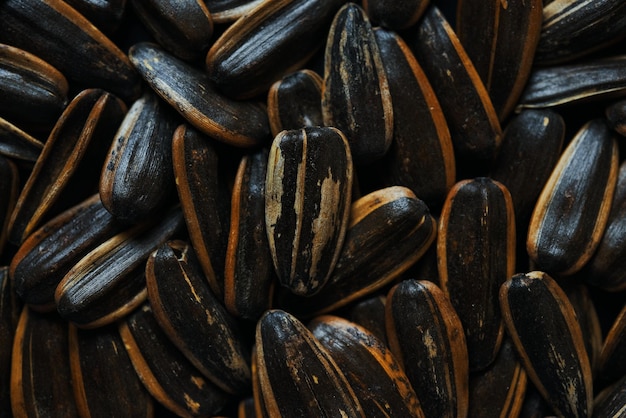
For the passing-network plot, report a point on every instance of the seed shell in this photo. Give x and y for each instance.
(183, 27)
(355, 96)
(500, 39)
(32, 92)
(575, 28)
(58, 34)
(189, 91)
(613, 354)
(472, 119)
(426, 336)
(380, 384)
(69, 162)
(294, 102)
(194, 320)
(572, 210)
(390, 229)
(249, 274)
(595, 79)
(102, 371)
(307, 203)
(272, 40)
(549, 342)
(49, 253)
(106, 15)
(614, 404)
(225, 11)
(476, 254)
(169, 377)
(137, 177)
(41, 380)
(204, 201)
(421, 156)
(108, 282)
(297, 375)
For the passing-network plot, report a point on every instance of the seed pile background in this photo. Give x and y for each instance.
(312, 208)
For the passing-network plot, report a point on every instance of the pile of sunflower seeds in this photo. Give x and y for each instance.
(312, 208)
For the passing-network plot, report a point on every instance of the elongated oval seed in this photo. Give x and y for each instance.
(17, 144)
(249, 276)
(272, 40)
(41, 380)
(194, 320)
(380, 384)
(426, 336)
(500, 38)
(476, 254)
(471, 117)
(49, 253)
(68, 162)
(549, 342)
(307, 203)
(297, 375)
(355, 98)
(572, 210)
(189, 91)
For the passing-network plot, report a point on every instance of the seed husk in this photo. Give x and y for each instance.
(500, 39)
(380, 384)
(574, 28)
(499, 390)
(355, 96)
(225, 11)
(99, 360)
(189, 91)
(606, 268)
(426, 336)
(17, 144)
(572, 210)
(41, 380)
(476, 254)
(390, 229)
(249, 273)
(69, 162)
(294, 101)
(274, 39)
(531, 146)
(165, 372)
(591, 80)
(194, 320)
(471, 117)
(297, 375)
(307, 204)
(183, 27)
(108, 282)
(549, 341)
(257, 394)
(395, 15)
(613, 404)
(32, 92)
(58, 34)
(49, 253)
(204, 201)
(421, 156)
(137, 177)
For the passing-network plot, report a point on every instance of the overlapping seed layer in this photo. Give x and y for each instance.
(322, 208)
